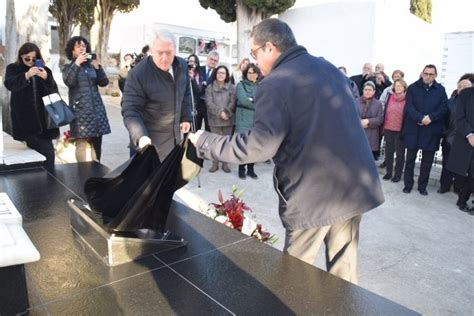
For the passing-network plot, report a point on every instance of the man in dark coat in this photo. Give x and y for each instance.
(307, 121)
(156, 104)
(461, 158)
(205, 74)
(366, 75)
(426, 108)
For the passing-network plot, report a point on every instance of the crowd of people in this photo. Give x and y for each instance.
(278, 108)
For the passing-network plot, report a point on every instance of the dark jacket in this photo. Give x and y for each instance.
(26, 103)
(372, 111)
(307, 121)
(154, 103)
(85, 100)
(245, 110)
(461, 156)
(218, 100)
(424, 100)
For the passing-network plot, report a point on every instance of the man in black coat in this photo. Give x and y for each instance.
(205, 73)
(307, 121)
(156, 104)
(426, 109)
(461, 157)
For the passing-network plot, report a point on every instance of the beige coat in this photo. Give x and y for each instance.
(220, 100)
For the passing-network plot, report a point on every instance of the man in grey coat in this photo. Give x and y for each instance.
(307, 121)
(156, 104)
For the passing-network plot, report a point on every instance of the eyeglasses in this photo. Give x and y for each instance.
(253, 51)
(28, 59)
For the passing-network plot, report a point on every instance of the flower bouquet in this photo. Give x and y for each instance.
(66, 149)
(233, 213)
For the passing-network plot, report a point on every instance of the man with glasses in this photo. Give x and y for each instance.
(156, 103)
(307, 121)
(205, 75)
(426, 108)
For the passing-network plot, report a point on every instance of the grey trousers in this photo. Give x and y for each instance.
(341, 241)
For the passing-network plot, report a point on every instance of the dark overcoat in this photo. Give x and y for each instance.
(422, 100)
(85, 100)
(154, 103)
(245, 110)
(307, 121)
(26, 103)
(461, 157)
(373, 111)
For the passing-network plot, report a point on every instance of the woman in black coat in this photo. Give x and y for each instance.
(83, 76)
(28, 84)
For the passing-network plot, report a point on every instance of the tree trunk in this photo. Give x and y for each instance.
(106, 13)
(11, 47)
(246, 19)
(85, 32)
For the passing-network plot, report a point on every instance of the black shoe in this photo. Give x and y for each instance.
(463, 207)
(387, 176)
(406, 190)
(382, 165)
(471, 211)
(441, 191)
(242, 172)
(252, 174)
(395, 179)
(423, 192)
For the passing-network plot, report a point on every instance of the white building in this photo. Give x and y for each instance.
(351, 33)
(458, 58)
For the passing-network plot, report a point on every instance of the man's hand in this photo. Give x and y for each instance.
(426, 120)
(193, 137)
(224, 116)
(144, 141)
(185, 127)
(470, 139)
(364, 123)
(42, 74)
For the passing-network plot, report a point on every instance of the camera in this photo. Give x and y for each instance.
(92, 56)
(191, 67)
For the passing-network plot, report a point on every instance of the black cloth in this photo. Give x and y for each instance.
(140, 195)
(154, 103)
(427, 157)
(461, 157)
(309, 124)
(447, 177)
(26, 103)
(85, 100)
(359, 81)
(44, 147)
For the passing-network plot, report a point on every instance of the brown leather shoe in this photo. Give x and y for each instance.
(225, 168)
(215, 167)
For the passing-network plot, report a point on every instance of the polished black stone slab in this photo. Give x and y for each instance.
(219, 272)
(13, 290)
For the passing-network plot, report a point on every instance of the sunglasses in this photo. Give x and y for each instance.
(28, 59)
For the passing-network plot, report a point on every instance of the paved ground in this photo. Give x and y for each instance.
(415, 250)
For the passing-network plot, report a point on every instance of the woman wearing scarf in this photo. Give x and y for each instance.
(392, 126)
(371, 114)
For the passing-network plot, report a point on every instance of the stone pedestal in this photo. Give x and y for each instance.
(117, 248)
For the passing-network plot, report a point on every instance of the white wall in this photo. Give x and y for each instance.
(351, 33)
(458, 58)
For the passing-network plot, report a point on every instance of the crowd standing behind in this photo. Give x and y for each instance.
(409, 119)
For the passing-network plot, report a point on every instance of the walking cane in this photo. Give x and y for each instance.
(193, 127)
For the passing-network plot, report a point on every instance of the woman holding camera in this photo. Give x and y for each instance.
(83, 76)
(29, 80)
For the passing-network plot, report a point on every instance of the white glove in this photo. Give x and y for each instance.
(144, 141)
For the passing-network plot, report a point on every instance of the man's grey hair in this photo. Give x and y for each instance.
(164, 36)
(274, 31)
(213, 53)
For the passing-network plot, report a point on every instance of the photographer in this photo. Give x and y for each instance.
(128, 65)
(29, 80)
(83, 76)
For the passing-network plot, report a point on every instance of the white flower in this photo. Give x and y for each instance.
(221, 219)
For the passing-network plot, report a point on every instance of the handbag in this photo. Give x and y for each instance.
(57, 111)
